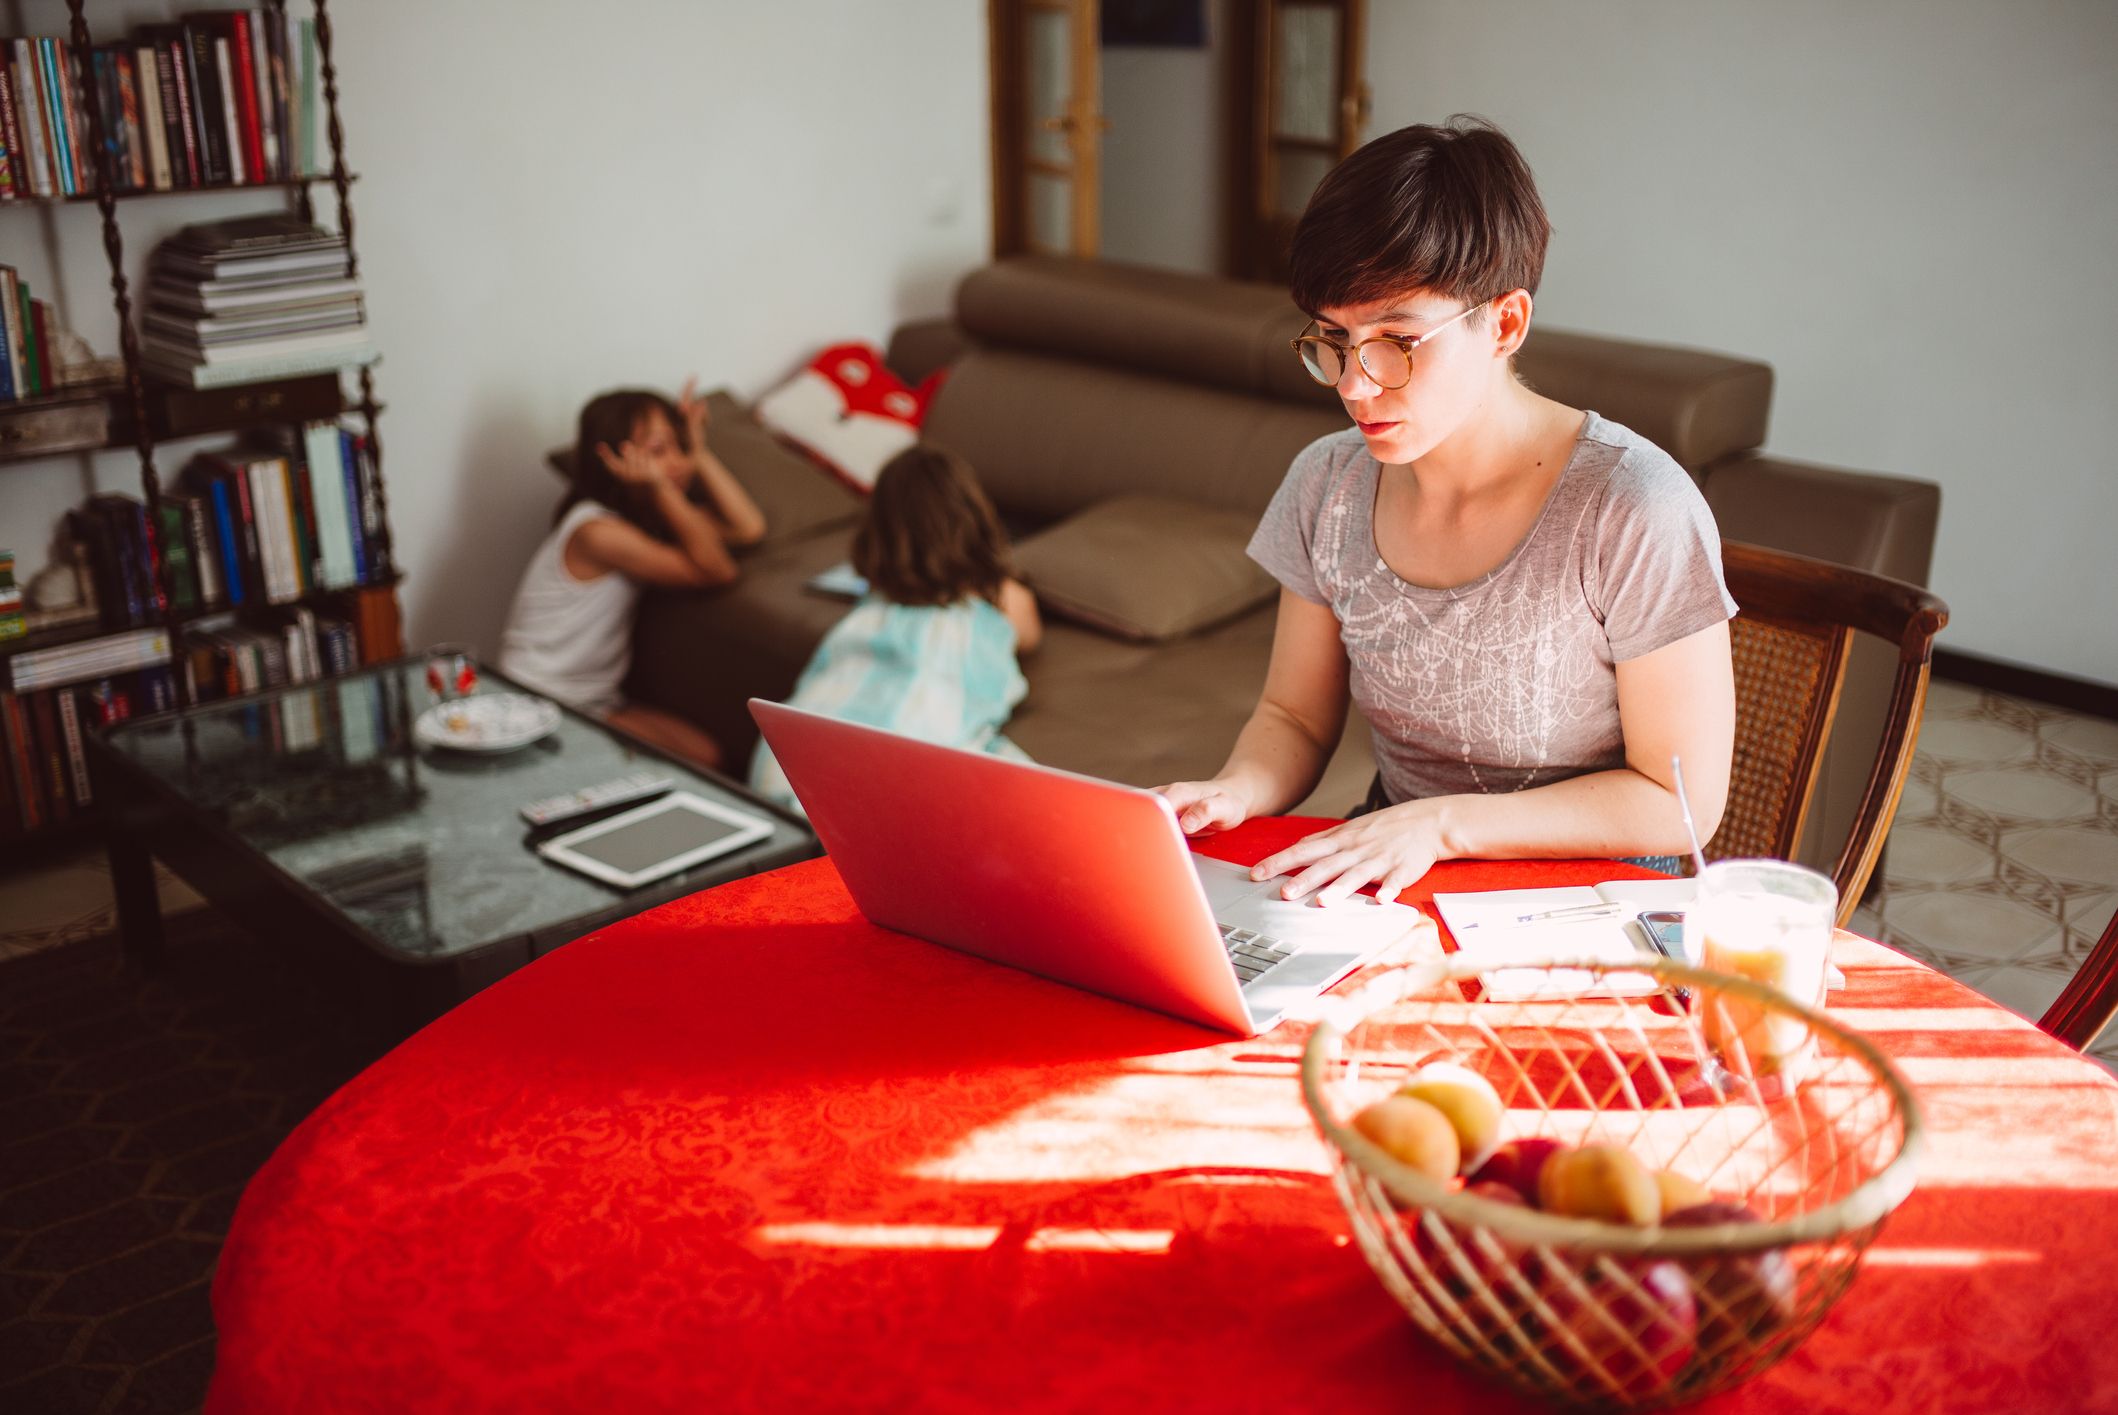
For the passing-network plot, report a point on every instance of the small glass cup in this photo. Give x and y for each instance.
(1770, 922)
(451, 672)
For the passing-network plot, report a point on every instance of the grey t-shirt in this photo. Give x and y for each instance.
(1508, 681)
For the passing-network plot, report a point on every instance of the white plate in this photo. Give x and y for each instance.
(490, 722)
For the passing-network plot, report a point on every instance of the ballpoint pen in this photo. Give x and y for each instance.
(1573, 913)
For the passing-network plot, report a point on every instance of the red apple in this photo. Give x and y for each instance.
(1640, 1332)
(1519, 1164)
(1743, 1297)
(1485, 1266)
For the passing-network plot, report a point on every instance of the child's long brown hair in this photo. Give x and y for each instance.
(612, 420)
(931, 535)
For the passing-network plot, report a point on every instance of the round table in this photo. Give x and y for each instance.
(749, 1152)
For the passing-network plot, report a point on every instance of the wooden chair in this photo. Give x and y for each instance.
(2091, 999)
(1791, 641)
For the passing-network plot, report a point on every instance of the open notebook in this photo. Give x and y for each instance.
(1487, 928)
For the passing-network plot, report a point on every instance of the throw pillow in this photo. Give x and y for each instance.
(783, 483)
(1146, 567)
(849, 411)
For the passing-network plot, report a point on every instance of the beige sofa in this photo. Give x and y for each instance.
(1075, 382)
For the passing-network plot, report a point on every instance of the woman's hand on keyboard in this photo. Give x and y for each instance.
(1205, 807)
(1391, 848)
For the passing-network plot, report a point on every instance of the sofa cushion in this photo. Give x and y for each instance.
(1696, 406)
(1220, 333)
(1146, 567)
(797, 498)
(1051, 436)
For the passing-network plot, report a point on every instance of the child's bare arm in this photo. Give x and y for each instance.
(1020, 606)
(608, 543)
(736, 515)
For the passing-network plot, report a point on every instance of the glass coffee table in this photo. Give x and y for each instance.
(314, 811)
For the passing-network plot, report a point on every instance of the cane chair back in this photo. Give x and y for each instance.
(1790, 642)
(2090, 1000)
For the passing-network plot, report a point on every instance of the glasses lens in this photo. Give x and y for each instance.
(1322, 361)
(1387, 363)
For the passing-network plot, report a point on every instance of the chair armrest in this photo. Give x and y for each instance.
(1865, 520)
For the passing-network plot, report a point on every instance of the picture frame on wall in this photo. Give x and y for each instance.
(1153, 24)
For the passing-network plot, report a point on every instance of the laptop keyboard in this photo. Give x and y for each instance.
(1252, 952)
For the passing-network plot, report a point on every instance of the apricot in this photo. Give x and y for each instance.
(1680, 1191)
(1600, 1182)
(1519, 1163)
(1744, 1297)
(1468, 1100)
(1414, 1134)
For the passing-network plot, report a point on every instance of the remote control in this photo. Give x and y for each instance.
(638, 787)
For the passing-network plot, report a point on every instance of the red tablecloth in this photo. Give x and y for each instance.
(748, 1152)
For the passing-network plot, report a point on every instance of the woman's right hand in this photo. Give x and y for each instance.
(1205, 807)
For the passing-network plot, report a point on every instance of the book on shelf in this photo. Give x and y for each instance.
(99, 657)
(13, 624)
(234, 347)
(260, 369)
(304, 293)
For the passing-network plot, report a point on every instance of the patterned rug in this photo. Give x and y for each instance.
(133, 1109)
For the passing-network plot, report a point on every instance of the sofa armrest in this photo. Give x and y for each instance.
(922, 346)
(1883, 524)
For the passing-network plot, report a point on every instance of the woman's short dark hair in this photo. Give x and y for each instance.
(931, 535)
(611, 420)
(1452, 209)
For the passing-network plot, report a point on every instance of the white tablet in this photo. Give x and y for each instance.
(641, 845)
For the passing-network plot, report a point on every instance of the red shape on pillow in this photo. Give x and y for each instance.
(849, 411)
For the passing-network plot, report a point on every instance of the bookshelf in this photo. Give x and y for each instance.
(141, 412)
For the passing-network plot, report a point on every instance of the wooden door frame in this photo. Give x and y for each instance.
(1247, 244)
(1006, 53)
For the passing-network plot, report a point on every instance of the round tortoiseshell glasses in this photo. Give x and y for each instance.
(1386, 358)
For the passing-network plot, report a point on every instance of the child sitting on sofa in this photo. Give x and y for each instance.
(627, 521)
(930, 650)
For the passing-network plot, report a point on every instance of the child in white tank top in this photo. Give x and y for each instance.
(629, 521)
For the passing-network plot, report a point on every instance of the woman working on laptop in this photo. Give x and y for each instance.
(1525, 599)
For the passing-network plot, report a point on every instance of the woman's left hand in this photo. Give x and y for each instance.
(692, 405)
(1391, 848)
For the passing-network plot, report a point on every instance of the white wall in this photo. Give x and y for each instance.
(557, 198)
(1907, 207)
(1164, 157)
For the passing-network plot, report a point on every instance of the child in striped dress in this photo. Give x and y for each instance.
(930, 651)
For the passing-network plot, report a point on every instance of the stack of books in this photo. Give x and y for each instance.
(228, 97)
(252, 298)
(244, 527)
(49, 697)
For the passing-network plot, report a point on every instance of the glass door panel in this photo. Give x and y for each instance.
(1048, 60)
(1305, 98)
(1051, 210)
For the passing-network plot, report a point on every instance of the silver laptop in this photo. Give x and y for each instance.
(1079, 880)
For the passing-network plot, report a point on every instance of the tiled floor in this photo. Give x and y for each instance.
(2002, 868)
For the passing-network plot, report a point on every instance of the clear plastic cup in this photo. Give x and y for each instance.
(1771, 922)
(451, 672)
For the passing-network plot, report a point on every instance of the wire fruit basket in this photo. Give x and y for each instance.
(1803, 1155)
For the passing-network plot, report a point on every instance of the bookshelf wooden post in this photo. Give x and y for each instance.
(128, 346)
